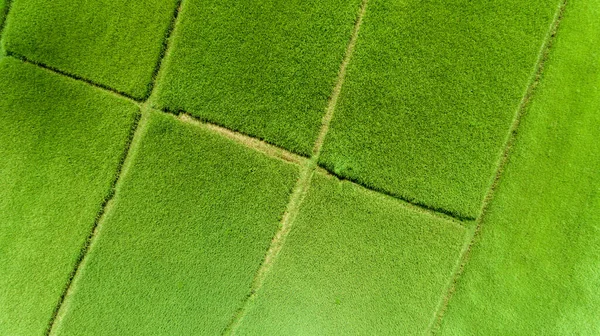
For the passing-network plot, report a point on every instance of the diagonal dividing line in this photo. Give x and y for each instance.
(102, 87)
(3, 18)
(246, 141)
(266, 148)
(60, 309)
(134, 135)
(308, 166)
(503, 161)
(302, 186)
(269, 149)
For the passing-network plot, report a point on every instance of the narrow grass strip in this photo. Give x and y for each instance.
(510, 141)
(62, 305)
(247, 141)
(303, 184)
(414, 202)
(186, 232)
(4, 9)
(341, 274)
(62, 143)
(164, 50)
(282, 154)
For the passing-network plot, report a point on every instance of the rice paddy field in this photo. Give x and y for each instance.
(299, 167)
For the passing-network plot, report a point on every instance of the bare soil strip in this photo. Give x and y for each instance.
(302, 185)
(164, 51)
(504, 158)
(282, 154)
(247, 141)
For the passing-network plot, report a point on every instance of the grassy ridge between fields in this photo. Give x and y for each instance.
(188, 229)
(430, 95)
(3, 10)
(265, 68)
(61, 142)
(113, 43)
(355, 263)
(535, 267)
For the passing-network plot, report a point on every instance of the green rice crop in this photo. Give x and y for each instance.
(356, 263)
(265, 68)
(61, 142)
(535, 268)
(453, 189)
(114, 43)
(3, 10)
(189, 227)
(430, 95)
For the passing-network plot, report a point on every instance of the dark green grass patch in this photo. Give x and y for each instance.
(356, 263)
(430, 94)
(189, 227)
(60, 145)
(535, 269)
(265, 68)
(4, 6)
(115, 43)
(3, 11)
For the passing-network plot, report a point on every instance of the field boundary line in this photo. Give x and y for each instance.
(439, 212)
(90, 239)
(261, 145)
(449, 220)
(74, 77)
(6, 10)
(164, 52)
(302, 184)
(136, 132)
(246, 141)
(275, 152)
(529, 93)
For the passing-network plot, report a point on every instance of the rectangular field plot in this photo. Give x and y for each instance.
(61, 142)
(356, 263)
(179, 247)
(115, 43)
(265, 68)
(535, 269)
(430, 95)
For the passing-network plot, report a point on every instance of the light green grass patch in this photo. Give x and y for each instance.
(265, 68)
(61, 142)
(355, 263)
(115, 43)
(189, 227)
(430, 94)
(535, 269)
